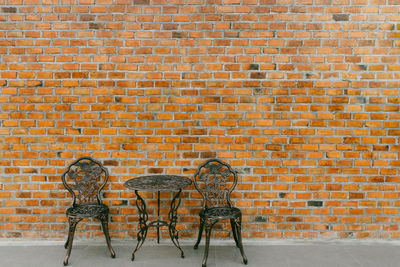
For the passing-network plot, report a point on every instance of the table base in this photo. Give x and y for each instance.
(144, 225)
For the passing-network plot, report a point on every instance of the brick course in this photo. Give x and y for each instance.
(301, 97)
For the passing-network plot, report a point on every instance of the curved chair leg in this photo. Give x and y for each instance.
(104, 224)
(72, 227)
(234, 232)
(208, 224)
(238, 222)
(200, 233)
(66, 242)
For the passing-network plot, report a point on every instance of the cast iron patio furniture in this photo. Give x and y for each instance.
(84, 179)
(215, 180)
(157, 183)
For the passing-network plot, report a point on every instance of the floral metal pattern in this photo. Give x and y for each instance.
(87, 210)
(173, 218)
(222, 212)
(215, 180)
(86, 178)
(158, 183)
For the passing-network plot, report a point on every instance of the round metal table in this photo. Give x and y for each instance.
(157, 183)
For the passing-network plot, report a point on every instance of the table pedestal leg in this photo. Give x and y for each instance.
(143, 217)
(173, 217)
(158, 217)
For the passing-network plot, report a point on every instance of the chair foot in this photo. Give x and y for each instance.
(104, 223)
(72, 226)
(245, 261)
(133, 257)
(203, 265)
(196, 247)
(112, 253)
(182, 255)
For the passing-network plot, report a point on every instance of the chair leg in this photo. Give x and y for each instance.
(104, 224)
(208, 224)
(238, 222)
(200, 233)
(66, 242)
(72, 227)
(234, 232)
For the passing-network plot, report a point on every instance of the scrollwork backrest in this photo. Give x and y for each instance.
(215, 180)
(84, 179)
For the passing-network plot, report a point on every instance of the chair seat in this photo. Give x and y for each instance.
(221, 213)
(87, 210)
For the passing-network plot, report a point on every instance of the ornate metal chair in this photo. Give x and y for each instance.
(84, 179)
(215, 180)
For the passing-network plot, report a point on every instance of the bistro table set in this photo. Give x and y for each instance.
(214, 180)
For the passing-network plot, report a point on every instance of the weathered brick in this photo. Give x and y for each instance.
(340, 17)
(9, 9)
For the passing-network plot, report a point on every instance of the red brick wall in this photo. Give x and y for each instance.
(301, 97)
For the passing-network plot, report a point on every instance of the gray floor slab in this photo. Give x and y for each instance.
(301, 254)
(382, 255)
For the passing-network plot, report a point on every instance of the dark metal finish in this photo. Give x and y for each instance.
(215, 180)
(84, 179)
(143, 217)
(157, 183)
(173, 217)
(158, 216)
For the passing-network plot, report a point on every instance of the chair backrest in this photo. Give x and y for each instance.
(215, 180)
(84, 179)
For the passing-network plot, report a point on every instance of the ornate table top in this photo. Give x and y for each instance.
(158, 183)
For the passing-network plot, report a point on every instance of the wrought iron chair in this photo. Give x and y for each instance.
(215, 180)
(84, 179)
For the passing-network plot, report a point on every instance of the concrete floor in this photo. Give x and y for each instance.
(273, 254)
